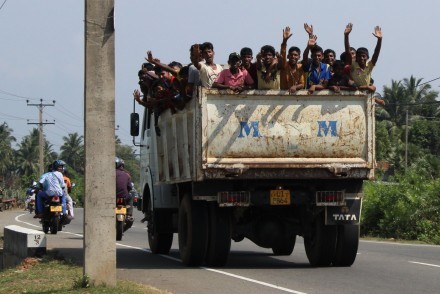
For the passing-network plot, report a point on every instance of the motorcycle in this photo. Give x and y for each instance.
(53, 215)
(31, 205)
(124, 221)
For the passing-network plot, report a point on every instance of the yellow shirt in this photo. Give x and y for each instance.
(361, 77)
(273, 84)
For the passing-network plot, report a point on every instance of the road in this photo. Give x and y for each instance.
(380, 267)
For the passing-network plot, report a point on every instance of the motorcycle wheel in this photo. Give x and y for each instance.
(119, 230)
(45, 227)
(54, 225)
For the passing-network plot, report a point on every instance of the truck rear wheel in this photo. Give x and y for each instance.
(286, 247)
(346, 245)
(193, 231)
(320, 246)
(219, 243)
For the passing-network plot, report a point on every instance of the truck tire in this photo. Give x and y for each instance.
(320, 246)
(346, 245)
(219, 242)
(193, 231)
(159, 242)
(286, 247)
(119, 230)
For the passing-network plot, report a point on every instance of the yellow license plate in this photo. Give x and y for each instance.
(121, 210)
(55, 209)
(279, 197)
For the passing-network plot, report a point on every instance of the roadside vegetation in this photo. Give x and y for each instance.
(52, 275)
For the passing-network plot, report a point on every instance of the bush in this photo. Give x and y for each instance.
(406, 208)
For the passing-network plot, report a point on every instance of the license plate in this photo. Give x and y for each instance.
(121, 210)
(55, 209)
(279, 197)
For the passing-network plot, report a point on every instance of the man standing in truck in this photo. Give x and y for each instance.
(208, 70)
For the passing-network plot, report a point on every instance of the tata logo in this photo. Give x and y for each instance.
(244, 126)
(324, 128)
(344, 217)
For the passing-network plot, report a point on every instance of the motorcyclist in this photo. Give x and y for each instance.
(52, 183)
(123, 185)
(30, 195)
(67, 191)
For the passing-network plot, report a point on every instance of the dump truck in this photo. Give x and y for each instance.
(263, 165)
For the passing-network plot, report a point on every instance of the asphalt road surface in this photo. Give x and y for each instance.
(380, 267)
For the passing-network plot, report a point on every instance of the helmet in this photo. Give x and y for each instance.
(119, 162)
(58, 163)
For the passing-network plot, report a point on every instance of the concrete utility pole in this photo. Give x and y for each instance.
(99, 143)
(40, 124)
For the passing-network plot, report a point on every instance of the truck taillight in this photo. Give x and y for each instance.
(233, 198)
(330, 198)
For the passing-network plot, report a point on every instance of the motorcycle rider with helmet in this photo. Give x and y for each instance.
(30, 195)
(52, 184)
(123, 185)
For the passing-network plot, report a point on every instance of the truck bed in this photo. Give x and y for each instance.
(267, 134)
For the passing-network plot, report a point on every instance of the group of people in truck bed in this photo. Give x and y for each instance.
(171, 85)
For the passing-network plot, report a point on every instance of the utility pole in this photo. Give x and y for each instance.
(40, 124)
(406, 141)
(99, 143)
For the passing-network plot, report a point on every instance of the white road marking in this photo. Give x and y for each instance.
(422, 263)
(178, 260)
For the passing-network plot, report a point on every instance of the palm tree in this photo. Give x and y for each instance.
(6, 150)
(72, 151)
(27, 156)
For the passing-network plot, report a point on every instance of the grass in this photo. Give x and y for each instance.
(53, 275)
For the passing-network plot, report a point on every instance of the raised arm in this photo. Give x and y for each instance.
(195, 56)
(286, 35)
(378, 34)
(310, 43)
(157, 62)
(347, 32)
(309, 29)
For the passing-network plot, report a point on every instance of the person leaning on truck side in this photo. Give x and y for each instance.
(317, 72)
(268, 68)
(291, 72)
(361, 68)
(234, 78)
(247, 64)
(208, 70)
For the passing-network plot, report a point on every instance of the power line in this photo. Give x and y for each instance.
(428, 82)
(3, 4)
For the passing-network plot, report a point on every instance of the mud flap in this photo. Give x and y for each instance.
(349, 214)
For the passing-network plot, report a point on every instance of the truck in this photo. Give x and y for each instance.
(263, 165)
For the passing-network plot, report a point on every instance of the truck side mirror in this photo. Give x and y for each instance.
(134, 124)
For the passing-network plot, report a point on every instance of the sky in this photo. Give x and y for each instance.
(42, 46)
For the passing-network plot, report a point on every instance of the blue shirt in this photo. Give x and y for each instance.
(316, 75)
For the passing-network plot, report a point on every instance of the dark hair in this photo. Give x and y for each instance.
(183, 72)
(316, 49)
(362, 50)
(293, 48)
(148, 66)
(140, 73)
(206, 46)
(338, 64)
(246, 51)
(268, 48)
(175, 63)
(327, 51)
(342, 56)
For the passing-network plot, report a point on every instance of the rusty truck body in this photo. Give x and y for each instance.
(262, 165)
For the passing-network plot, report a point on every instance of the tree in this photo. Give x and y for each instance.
(72, 151)
(6, 151)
